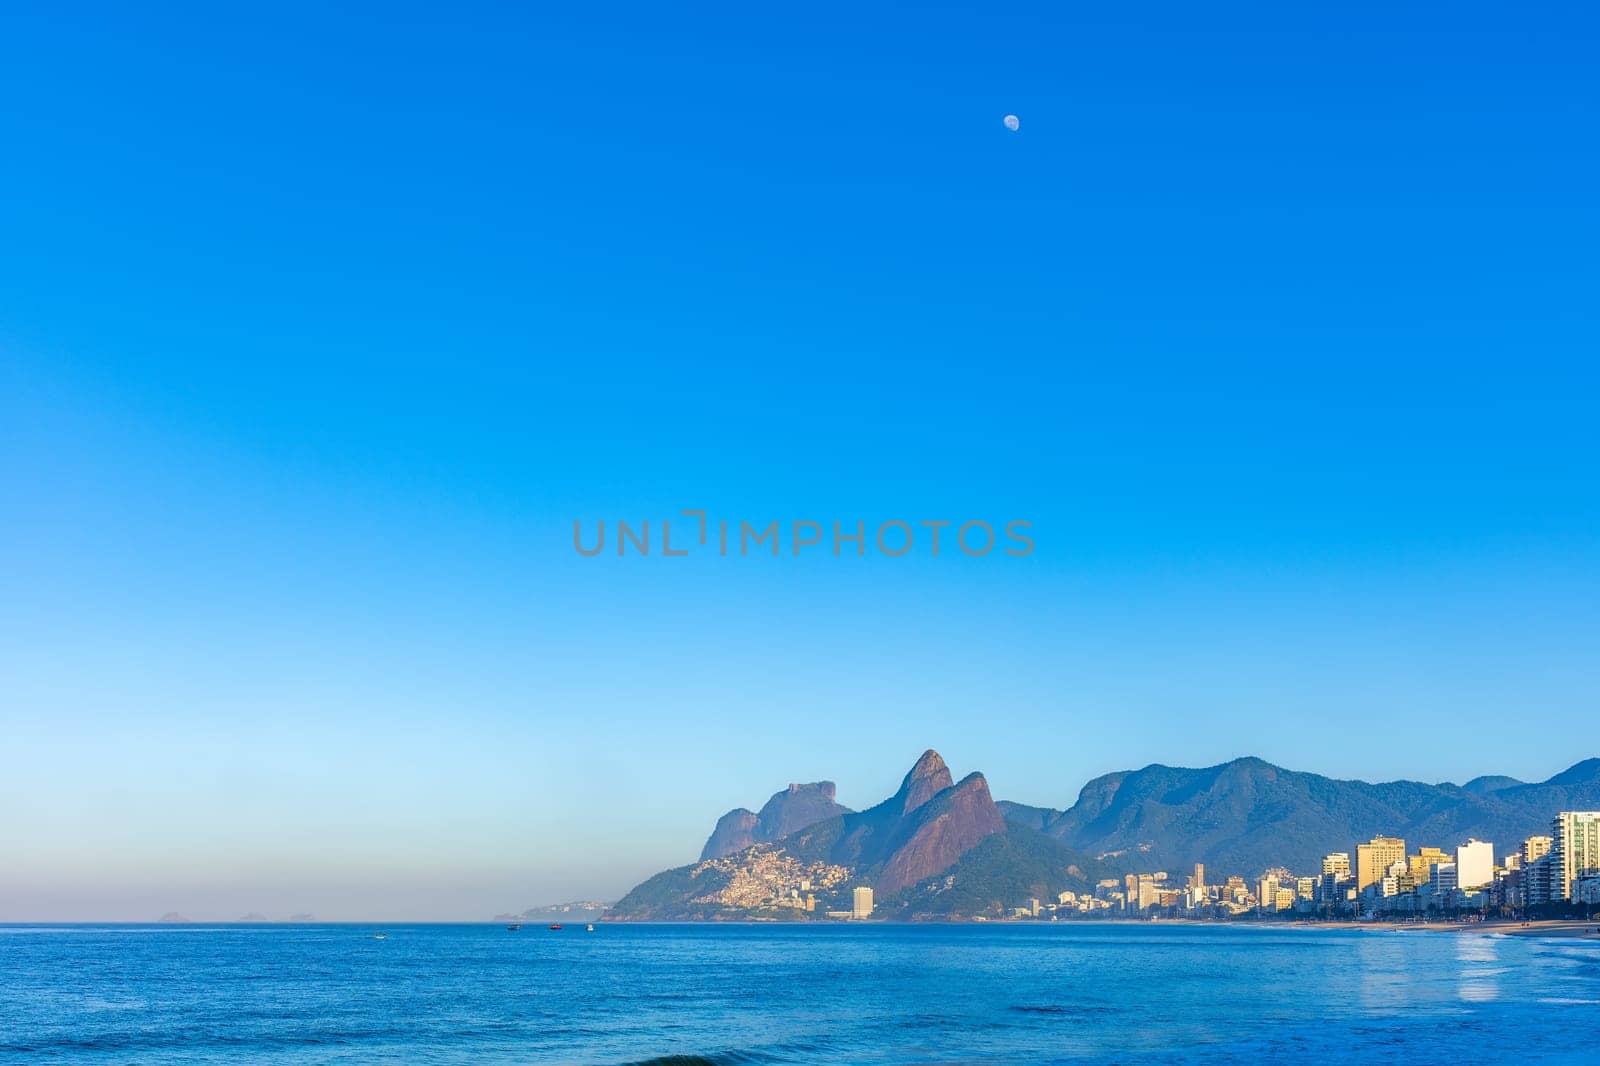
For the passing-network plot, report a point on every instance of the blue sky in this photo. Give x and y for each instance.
(317, 332)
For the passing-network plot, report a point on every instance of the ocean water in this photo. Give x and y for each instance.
(761, 993)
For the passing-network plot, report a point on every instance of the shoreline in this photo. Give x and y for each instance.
(1561, 928)
(1565, 929)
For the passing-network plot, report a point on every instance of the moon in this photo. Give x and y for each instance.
(1012, 123)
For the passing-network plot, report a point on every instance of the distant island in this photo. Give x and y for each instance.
(253, 918)
(1138, 844)
(576, 911)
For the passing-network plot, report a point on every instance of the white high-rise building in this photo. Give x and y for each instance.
(1574, 851)
(1335, 871)
(1474, 865)
(861, 901)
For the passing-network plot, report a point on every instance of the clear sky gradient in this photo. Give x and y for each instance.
(318, 330)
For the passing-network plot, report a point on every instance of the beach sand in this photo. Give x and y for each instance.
(1589, 930)
(1585, 930)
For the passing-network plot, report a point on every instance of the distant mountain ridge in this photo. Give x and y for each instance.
(1247, 815)
(939, 847)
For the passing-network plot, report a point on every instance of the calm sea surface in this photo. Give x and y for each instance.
(737, 994)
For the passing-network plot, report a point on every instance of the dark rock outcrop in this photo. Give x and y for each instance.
(939, 831)
(734, 831)
(929, 777)
(1004, 871)
(797, 807)
(786, 812)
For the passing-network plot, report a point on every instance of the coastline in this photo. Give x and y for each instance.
(1561, 928)
(1568, 929)
(1565, 929)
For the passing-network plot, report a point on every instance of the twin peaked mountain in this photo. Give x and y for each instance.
(928, 829)
(941, 848)
(923, 828)
(920, 830)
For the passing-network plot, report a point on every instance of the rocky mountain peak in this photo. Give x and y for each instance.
(941, 831)
(734, 831)
(786, 812)
(929, 777)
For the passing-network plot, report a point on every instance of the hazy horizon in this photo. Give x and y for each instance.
(391, 907)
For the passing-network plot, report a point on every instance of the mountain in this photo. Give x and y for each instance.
(1003, 871)
(940, 848)
(733, 832)
(923, 829)
(942, 829)
(1247, 815)
(929, 777)
(786, 812)
(927, 825)
(1490, 783)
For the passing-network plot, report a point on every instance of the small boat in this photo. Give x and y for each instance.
(589, 928)
(514, 926)
(555, 926)
(380, 936)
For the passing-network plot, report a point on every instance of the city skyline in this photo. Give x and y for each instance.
(787, 878)
(1538, 871)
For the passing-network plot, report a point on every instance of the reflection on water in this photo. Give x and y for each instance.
(1387, 984)
(1479, 958)
(863, 994)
